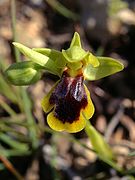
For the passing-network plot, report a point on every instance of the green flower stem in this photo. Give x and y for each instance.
(13, 20)
(102, 149)
(30, 119)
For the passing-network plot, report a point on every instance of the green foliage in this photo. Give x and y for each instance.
(13, 143)
(18, 143)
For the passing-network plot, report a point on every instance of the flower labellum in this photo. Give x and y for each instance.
(70, 104)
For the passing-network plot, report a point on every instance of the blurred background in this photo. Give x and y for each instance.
(28, 148)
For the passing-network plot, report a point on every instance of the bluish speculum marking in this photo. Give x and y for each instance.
(69, 97)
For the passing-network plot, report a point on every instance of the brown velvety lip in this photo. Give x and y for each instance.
(69, 98)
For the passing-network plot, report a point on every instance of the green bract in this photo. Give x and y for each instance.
(75, 59)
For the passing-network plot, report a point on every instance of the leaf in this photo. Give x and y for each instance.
(14, 152)
(13, 143)
(107, 66)
(38, 58)
(23, 73)
(76, 40)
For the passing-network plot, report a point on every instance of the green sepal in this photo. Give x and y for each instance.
(23, 73)
(53, 54)
(74, 54)
(76, 40)
(107, 66)
(38, 58)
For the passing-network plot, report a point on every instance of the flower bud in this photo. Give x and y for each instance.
(23, 73)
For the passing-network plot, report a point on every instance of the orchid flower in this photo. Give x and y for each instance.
(68, 104)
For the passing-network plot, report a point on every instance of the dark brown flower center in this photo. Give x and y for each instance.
(69, 97)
